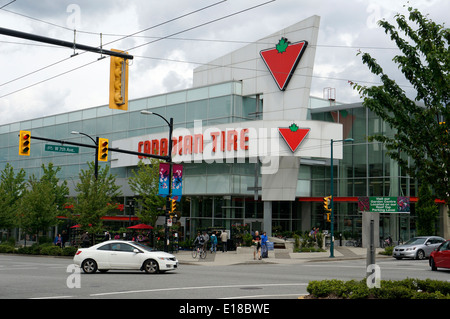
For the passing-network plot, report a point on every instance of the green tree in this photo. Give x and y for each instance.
(60, 189)
(144, 184)
(427, 211)
(38, 209)
(12, 186)
(95, 197)
(422, 131)
(42, 201)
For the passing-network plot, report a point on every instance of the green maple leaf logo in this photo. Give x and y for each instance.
(282, 45)
(293, 127)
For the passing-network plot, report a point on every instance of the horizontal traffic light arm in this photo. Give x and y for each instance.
(73, 45)
(118, 150)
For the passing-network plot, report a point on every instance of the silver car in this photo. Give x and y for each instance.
(417, 247)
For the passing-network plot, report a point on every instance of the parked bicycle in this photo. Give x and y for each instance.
(354, 242)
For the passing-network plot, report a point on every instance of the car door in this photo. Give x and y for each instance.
(431, 244)
(442, 255)
(102, 256)
(123, 256)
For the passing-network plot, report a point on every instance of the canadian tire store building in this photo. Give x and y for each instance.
(255, 147)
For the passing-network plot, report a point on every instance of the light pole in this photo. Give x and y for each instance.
(169, 160)
(332, 195)
(96, 151)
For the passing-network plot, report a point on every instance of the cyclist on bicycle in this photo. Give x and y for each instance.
(199, 241)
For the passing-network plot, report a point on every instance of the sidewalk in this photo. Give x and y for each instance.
(277, 256)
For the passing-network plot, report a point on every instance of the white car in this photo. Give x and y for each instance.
(119, 254)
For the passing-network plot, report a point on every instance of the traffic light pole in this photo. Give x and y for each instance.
(67, 44)
(111, 149)
(332, 205)
(168, 198)
(168, 159)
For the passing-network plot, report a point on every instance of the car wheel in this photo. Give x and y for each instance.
(89, 266)
(151, 266)
(432, 264)
(420, 254)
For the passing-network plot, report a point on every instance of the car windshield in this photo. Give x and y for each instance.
(143, 247)
(415, 241)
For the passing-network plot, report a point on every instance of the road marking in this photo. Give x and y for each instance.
(192, 288)
(264, 296)
(53, 297)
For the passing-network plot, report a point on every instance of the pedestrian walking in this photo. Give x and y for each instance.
(257, 245)
(264, 248)
(224, 239)
(58, 241)
(213, 239)
(85, 240)
(205, 244)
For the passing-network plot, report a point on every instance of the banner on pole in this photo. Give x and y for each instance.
(177, 181)
(163, 179)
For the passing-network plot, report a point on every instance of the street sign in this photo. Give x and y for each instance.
(61, 148)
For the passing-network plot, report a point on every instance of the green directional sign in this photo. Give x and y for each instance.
(384, 204)
(61, 148)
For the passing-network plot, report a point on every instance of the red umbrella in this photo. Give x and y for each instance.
(141, 226)
(78, 226)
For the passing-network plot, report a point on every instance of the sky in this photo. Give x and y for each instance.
(170, 38)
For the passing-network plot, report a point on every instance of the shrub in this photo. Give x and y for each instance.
(5, 248)
(387, 251)
(247, 238)
(69, 251)
(51, 250)
(403, 289)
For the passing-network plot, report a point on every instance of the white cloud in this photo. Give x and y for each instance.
(343, 23)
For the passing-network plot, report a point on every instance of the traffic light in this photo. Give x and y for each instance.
(103, 149)
(173, 206)
(327, 203)
(328, 217)
(24, 143)
(118, 83)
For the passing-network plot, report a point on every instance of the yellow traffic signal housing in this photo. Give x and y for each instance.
(328, 217)
(173, 205)
(103, 149)
(327, 203)
(24, 143)
(118, 83)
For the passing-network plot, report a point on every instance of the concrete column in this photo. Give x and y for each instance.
(267, 217)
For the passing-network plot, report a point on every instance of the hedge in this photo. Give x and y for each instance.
(43, 249)
(403, 289)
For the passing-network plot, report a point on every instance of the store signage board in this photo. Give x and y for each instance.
(388, 204)
(61, 149)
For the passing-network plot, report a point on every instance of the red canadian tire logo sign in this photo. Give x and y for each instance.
(293, 135)
(283, 59)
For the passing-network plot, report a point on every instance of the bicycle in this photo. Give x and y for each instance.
(198, 251)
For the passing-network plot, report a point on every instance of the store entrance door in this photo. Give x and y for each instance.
(255, 225)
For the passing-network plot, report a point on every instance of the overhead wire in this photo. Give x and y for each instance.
(156, 39)
(65, 59)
